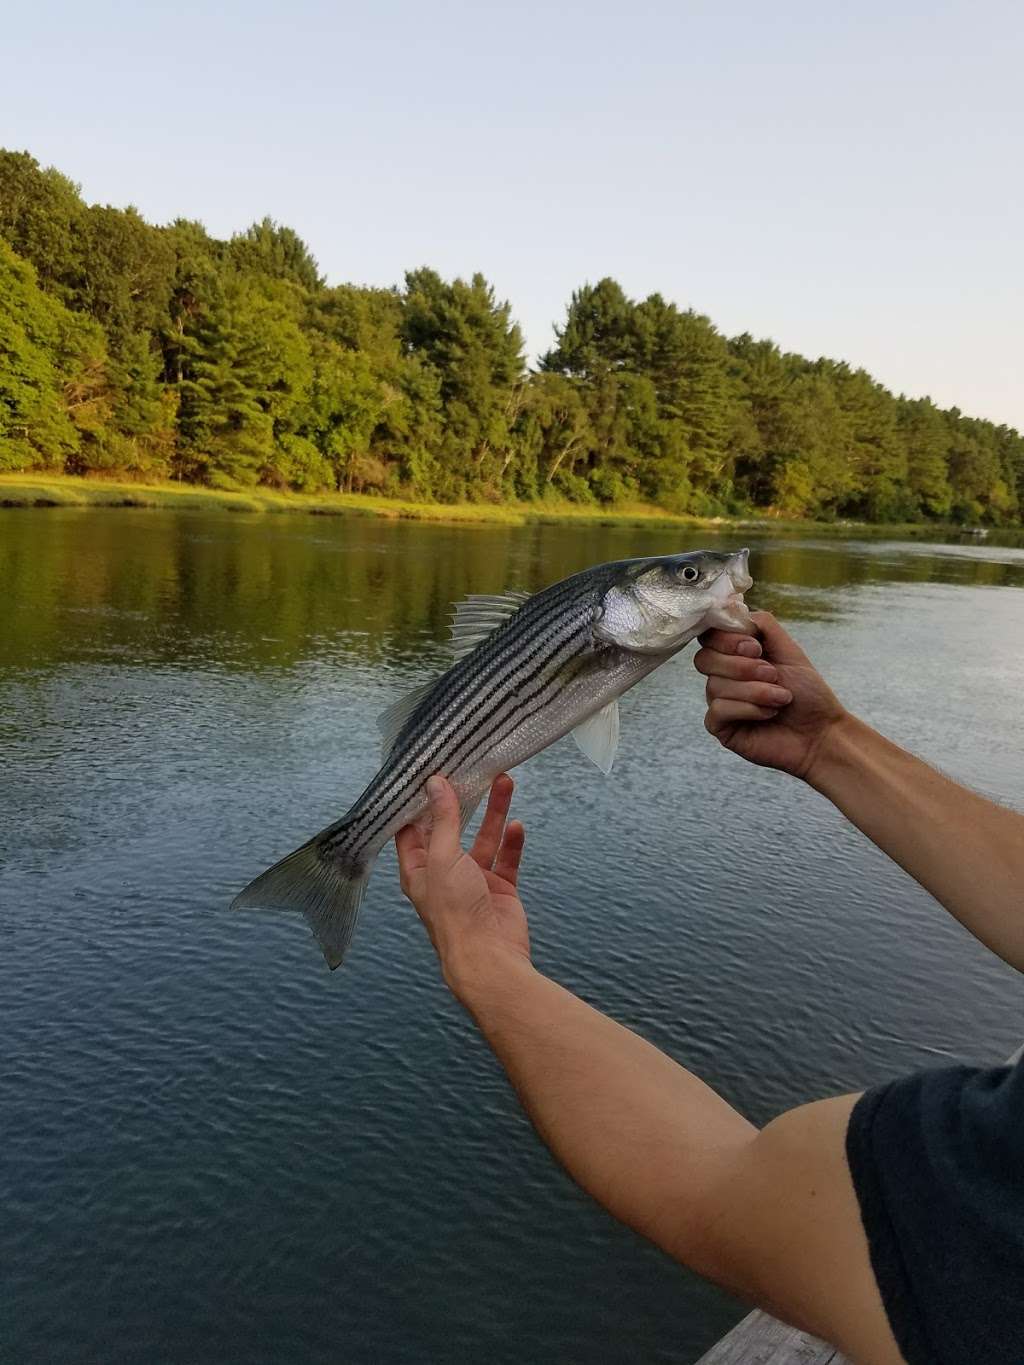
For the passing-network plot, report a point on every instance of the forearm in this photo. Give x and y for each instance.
(647, 1139)
(967, 851)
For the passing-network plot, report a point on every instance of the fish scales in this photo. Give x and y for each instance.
(533, 669)
(445, 726)
(468, 699)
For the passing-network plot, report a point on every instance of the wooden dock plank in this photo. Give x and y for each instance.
(762, 1340)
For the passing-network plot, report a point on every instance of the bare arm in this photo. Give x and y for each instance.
(771, 1216)
(967, 851)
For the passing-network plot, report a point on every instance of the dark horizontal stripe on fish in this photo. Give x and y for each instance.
(430, 754)
(490, 659)
(507, 657)
(497, 728)
(517, 718)
(521, 630)
(482, 735)
(471, 692)
(524, 712)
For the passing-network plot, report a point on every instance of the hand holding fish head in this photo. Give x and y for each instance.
(661, 603)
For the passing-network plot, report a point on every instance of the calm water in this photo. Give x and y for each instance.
(215, 1150)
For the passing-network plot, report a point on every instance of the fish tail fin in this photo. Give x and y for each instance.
(327, 890)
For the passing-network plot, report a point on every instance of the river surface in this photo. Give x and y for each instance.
(216, 1151)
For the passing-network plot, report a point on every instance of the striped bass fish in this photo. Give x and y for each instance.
(527, 670)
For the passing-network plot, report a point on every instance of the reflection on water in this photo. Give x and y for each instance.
(278, 590)
(216, 1150)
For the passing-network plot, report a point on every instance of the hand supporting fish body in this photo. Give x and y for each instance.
(527, 670)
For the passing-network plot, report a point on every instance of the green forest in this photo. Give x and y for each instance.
(159, 353)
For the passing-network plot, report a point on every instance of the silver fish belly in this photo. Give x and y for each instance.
(528, 670)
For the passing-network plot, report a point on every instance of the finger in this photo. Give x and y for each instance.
(712, 663)
(757, 693)
(729, 642)
(721, 714)
(412, 854)
(445, 847)
(510, 854)
(488, 837)
(778, 644)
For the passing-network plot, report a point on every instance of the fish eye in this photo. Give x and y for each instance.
(690, 573)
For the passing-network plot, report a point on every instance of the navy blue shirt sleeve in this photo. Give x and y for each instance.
(937, 1160)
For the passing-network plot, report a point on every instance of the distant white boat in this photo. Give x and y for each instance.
(978, 532)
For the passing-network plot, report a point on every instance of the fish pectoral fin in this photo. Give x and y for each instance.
(598, 736)
(476, 616)
(391, 721)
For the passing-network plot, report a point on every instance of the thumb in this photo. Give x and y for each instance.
(445, 847)
(779, 645)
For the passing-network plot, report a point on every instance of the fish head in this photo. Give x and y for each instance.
(658, 604)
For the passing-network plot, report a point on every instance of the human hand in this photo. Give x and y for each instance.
(468, 901)
(766, 701)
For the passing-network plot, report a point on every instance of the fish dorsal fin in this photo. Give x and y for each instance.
(598, 736)
(391, 721)
(477, 615)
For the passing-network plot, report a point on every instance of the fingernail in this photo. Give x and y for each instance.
(782, 695)
(434, 788)
(765, 673)
(750, 648)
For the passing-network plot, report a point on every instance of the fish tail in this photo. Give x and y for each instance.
(320, 881)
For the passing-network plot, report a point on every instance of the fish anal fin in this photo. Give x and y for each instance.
(468, 807)
(598, 736)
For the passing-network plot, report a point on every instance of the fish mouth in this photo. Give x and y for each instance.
(736, 566)
(730, 612)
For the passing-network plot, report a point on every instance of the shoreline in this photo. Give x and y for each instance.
(67, 491)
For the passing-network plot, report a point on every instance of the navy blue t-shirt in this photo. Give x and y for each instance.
(937, 1161)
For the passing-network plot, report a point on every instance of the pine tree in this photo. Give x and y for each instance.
(269, 248)
(41, 216)
(53, 380)
(247, 373)
(470, 340)
(926, 441)
(599, 334)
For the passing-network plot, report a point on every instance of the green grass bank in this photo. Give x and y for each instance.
(57, 490)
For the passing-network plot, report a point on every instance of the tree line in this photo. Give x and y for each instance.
(163, 352)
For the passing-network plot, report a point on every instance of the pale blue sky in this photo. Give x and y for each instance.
(845, 178)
